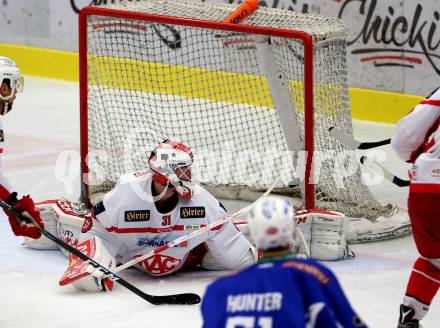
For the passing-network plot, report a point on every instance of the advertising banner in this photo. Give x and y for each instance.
(393, 45)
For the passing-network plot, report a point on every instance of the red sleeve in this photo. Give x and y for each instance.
(414, 133)
(4, 193)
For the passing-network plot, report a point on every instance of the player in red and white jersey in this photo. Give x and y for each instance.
(11, 82)
(149, 209)
(417, 141)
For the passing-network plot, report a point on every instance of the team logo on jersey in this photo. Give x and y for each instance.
(192, 212)
(137, 216)
(159, 264)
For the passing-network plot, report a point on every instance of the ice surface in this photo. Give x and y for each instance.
(45, 122)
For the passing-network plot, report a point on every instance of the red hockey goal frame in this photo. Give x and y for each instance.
(306, 38)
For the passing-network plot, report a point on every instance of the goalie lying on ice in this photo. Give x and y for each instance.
(145, 211)
(148, 210)
(321, 236)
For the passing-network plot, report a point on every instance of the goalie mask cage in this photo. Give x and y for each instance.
(251, 99)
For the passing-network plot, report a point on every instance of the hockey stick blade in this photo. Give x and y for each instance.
(176, 299)
(183, 299)
(387, 174)
(400, 182)
(354, 144)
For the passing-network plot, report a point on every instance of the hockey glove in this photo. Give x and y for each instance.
(26, 228)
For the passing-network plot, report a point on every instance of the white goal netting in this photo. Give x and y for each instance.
(149, 79)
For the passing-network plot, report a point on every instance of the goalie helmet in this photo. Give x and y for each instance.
(271, 223)
(10, 71)
(171, 163)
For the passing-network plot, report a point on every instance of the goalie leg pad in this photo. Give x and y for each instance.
(320, 235)
(325, 233)
(84, 276)
(329, 241)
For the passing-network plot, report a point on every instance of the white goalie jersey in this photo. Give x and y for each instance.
(130, 226)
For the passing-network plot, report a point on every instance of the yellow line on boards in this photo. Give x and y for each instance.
(368, 105)
(380, 106)
(49, 63)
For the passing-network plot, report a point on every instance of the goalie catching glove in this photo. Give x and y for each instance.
(84, 276)
(27, 228)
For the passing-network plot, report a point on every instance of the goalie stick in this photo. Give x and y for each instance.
(355, 144)
(187, 298)
(387, 174)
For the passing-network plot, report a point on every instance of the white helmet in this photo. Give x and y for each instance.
(165, 159)
(9, 70)
(271, 223)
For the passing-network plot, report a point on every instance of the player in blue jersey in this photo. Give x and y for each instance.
(280, 290)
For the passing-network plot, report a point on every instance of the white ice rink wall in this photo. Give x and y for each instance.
(393, 45)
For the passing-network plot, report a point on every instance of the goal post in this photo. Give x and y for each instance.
(254, 101)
